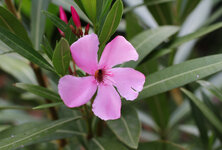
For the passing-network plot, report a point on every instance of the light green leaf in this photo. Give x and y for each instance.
(40, 91)
(181, 74)
(10, 22)
(111, 23)
(148, 40)
(205, 110)
(44, 106)
(105, 143)
(28, 136)
(19, 46)
(61, 57)
(56, 21)
(212, 88)
(38, 21)
(90, 8)
(127, 128)
(160, 145)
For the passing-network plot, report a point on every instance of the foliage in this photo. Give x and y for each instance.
(178, 42)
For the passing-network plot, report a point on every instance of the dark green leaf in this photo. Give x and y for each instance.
(181, 74)
(47, 47)
(105, 144)
(127, 128)
(10, 22)
(160, 145)
(61, 57)
(19, 46)
(111, 23)
(56, 21)
(37, 133)
(40, 91)
(201, 124)
(205, 110)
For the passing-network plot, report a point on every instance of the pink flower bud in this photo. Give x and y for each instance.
(75, 17)
(62, 14)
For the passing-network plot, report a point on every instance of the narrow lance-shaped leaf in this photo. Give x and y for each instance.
(44, 106)
(148, 40)
(90, 8)
(160, 145)
(61, 57)
(56, 21)
(181, 40)
(181, 74)
(111, 23)
(47, 48)
(40, 91)
(38, 21)
(212, 88)
(105, 143)
(205, 110)
(10, 22)
(127, 128)
(22, 48)
(24, 138)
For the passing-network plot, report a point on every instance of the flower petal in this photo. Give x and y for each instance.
(76, 91)
(128, 82)
(84, 53)
(107, 104)
(118, 51)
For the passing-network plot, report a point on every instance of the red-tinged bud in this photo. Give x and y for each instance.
(75, 17)
(62, 15)
(87, 29)
(72, 29)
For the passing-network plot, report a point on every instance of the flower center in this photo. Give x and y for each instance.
(99, 74)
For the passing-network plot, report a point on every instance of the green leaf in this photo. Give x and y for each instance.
(205, 110)
(90, 8)
(181, 40)
(10, 22)
(44, 106)
(19, 46)
(13, 107)
(56, 21)
(127, 128)
(181, 74)
(159, 108)
(111, 23)
(105, 143)
(47, 48)
(213, 89)
(149, 3)
(40, 91)
(38, 21)
(197, 34)
(200, 123)
(148, 40)
(61, 57)
(160, 145)
(23, 138)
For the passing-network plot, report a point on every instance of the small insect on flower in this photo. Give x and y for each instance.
(103, 78)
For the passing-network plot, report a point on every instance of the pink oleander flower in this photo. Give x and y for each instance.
(103, 78)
